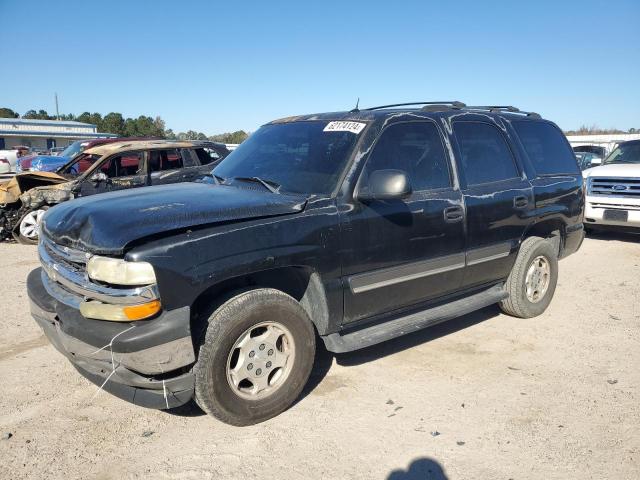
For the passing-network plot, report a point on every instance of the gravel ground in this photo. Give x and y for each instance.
(485, 396)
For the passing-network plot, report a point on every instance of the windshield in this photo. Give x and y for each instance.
(300, 157)
(625, 153)
(72, 150)
(80, 165)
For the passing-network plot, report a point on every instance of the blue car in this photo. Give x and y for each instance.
(50, 163)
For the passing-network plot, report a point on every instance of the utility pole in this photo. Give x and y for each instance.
(57, 112)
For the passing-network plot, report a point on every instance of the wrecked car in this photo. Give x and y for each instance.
(352, 228)
(105, 168)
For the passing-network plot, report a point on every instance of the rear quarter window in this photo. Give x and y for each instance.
(546, 147)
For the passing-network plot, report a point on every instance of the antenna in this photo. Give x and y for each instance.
(57, 111)
(356, 109)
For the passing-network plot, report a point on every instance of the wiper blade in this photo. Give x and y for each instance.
(270, 185)
(218, 179)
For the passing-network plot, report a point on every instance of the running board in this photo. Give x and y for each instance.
(367, 336)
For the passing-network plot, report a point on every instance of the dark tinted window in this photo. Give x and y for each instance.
(546, 148)
(160, 160)
(486, 157)
(416, 148)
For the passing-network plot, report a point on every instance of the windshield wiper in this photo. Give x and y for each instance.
(218, 179)
(270, 185)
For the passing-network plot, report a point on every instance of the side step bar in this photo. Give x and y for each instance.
(367, 336)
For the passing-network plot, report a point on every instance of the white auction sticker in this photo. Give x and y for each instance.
(353, 127)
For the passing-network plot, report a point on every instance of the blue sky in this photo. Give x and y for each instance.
(223, 66)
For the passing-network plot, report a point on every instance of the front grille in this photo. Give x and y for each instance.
(614, 187)
(65, 278)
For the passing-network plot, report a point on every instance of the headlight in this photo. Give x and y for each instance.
(120, 272)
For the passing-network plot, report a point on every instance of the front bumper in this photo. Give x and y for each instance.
(144, 362)
(594, 214)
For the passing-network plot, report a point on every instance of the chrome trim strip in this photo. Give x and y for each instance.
(486, 254)
(77, 283)
(363, 282)
(389, 276)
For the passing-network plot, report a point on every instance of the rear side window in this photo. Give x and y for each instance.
(546, 148)
(207, 155)
(486, 156)
(416, 148)
(160, 160)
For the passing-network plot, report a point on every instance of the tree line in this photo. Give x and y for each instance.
(143, 126)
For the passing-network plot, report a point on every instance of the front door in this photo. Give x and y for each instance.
(498, 199)
(118, 172)
(399, 253)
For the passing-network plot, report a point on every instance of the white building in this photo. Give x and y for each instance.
(608, 141)
(45, 134)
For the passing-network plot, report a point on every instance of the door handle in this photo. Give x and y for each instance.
(520, 202)
(453, 214)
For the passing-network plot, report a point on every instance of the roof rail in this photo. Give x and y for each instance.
(453, 104)
(503, 108)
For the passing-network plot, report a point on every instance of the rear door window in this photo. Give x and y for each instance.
(162, 160)
(546, 148)
(485, 154)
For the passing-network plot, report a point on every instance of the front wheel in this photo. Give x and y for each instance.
(533, 279)
(29, 226)
(256, 357)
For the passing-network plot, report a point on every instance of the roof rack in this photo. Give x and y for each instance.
(453, 104)
(503, 108)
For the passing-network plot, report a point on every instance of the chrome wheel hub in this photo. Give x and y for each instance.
(30, 224)
(260, 360)
(537, 279)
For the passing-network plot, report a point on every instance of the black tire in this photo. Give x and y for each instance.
(213, 392)
(24, 240)
(517, 304)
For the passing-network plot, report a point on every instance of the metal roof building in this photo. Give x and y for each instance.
(45, 134)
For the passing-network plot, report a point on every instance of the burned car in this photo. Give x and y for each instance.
(105, 168)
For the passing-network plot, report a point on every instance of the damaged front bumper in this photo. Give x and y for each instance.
(146, 363)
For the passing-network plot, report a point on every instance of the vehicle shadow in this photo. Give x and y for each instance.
(324, 358)
(420, 469)
(411, 340)
(610, 235)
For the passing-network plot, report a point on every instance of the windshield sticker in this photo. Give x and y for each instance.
(353, 127)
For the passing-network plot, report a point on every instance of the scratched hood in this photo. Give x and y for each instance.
(107, 223)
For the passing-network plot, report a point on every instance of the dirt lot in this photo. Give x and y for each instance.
(482, 397)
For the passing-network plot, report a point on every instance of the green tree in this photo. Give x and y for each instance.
(113, 123)
(238, 136)
(169, 135)
(7, 113)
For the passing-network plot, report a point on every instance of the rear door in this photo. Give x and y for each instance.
(173, 165)
(398, 253)
(498, 199)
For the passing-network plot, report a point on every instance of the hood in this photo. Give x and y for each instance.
(107, 223)
(614, 170)
(10, 191)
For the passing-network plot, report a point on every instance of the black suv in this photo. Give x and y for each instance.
(351, 227)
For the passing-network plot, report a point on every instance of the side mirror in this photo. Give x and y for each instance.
(385, 185)
(99, 177)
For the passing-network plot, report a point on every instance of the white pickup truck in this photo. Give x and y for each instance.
(613, 189)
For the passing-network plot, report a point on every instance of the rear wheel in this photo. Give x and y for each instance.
(533, 279)
(29, 226)
(256, 357)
